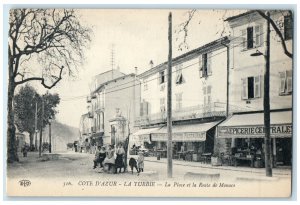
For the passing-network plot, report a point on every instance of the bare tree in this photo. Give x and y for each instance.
(277, 26)
(44, 45)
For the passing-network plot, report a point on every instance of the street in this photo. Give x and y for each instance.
(74, 171)
(72, 164)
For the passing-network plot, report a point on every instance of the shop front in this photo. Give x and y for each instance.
(247, 133)
(191, 142)
(140, 140)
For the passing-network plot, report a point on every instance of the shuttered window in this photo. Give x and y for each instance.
(205, 65)
(288, 27)
(178, 101)
(162, 105)
(251, 87)
(179, 77)
(286, 82)
(258, 38)
(257, 85)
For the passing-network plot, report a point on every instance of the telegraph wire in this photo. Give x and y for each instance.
(156, 78)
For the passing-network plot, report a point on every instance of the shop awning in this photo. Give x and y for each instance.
(144, 134)
(251, 125)
(184, 133)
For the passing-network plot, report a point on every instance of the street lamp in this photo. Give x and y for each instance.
(50, 146)
(267, 139)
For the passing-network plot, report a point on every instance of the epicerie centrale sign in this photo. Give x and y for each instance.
(256, 131)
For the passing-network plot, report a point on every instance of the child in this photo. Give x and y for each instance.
(140, 162)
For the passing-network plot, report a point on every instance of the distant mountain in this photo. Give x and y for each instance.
(62, 132)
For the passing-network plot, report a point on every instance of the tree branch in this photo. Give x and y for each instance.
(278, 32)
(42, 80)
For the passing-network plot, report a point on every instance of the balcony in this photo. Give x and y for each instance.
(187, 113)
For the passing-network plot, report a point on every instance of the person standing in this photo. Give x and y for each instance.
(140, 162)
(120, 158)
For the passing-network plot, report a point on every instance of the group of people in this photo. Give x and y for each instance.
(114, 157)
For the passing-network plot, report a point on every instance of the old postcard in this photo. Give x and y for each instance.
(149, 102)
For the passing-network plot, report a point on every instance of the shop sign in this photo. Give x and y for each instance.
(180, 137)
(255, 131)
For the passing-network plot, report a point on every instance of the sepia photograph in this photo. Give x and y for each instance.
(149, 102)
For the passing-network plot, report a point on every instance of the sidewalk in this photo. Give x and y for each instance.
(282, 171)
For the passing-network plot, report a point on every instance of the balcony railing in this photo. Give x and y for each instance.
(193, 112)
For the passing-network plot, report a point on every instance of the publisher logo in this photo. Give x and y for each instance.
(25, 183)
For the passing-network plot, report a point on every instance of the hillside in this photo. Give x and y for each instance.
(61, 134)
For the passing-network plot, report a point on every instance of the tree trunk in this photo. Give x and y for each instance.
(12, 154)
(31, 138)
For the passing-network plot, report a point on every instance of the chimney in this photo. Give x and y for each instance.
(151, 63)
(136, 70)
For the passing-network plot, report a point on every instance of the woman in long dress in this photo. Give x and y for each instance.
(120, 158)
(109, 159)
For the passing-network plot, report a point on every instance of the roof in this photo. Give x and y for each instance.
(190, 53)
(112, 80)
(240, 15)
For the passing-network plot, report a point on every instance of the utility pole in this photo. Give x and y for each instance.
(35, 127)
(50, 148)
(41, 128)
(169, 101)
(268, 153)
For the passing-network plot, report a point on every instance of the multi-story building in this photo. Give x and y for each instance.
(244, 130)
(199, 98)
(112, 107)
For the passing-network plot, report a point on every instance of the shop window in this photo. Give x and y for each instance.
(178, 101)
(251, 87)
(161, 78)
(205, 65)
(286, 84)
(252, 37)
(288, 27)
(179, 77)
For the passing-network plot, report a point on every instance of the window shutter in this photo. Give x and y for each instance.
(245, 88)
(257, 86)
(209, 71)
(289, 81)
(141, 109)
(145, 106)
(200, 66)
(258, 35)
(244, 38)
(282, 81)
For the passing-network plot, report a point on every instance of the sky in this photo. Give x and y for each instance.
(137, 37)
